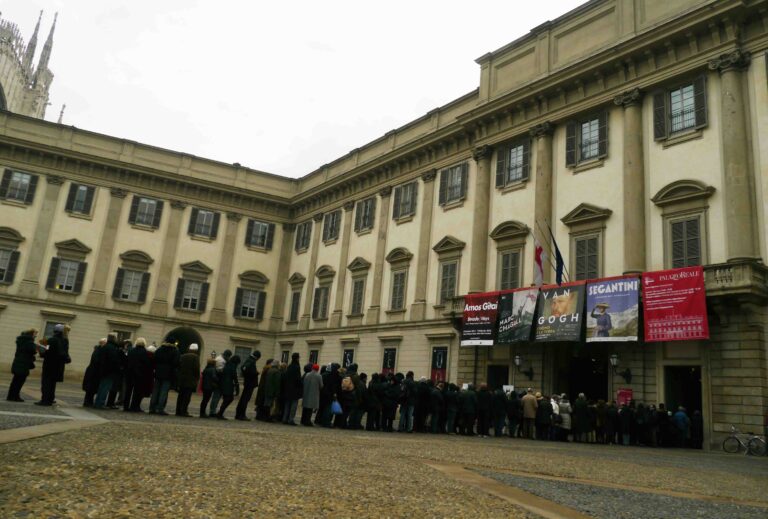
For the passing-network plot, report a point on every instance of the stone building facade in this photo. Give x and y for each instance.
(638, 131)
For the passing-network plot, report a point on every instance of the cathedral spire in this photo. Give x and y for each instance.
(29, 54)
(46, 54)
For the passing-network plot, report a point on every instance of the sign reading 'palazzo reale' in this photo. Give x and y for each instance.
(674, 305)
(479, 319)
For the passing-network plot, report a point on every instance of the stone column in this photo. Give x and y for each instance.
(543, 193)
(224, 278)
(30, 283)
(317, 230)
(338, 307)
(478, 262)
(419, 306)
(633, 181)
(373, 315)
(281, 283)
(164, 284)
(738, 177)
(97, 296)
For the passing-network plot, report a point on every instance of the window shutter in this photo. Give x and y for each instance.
(660, 116)
(602, 127)
(134, 209)
(5, 183)
(464, 178)
(80, 277)
(71, 198)
(261, 302)
(51, 283)
(692, 243)
(570, 144)
(592, 258)
(526, 160)
(158, 214)
(249, 233)
(238, 302)
(295, 302)
(398, 197)
(31, 191)
(372, 213)
(118, 284)
(316, 303)
(501, 166)
(297, 241)
(678, 244)
(270, 236)
(414, 196)
(215, 226)
(203, 297)
(144, 287)
(581, 259)
(10, 272)
(443, 187)
(700, 100)
(193, 221)
(179, 293)
(91, 191)
(327, 226)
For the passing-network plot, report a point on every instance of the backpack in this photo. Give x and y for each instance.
(347, 385)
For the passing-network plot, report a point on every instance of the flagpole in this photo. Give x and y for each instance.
(567, 274)
(549, 253)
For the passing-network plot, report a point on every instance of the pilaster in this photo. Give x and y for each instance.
(317, 230)
(224, 278)
(373, 315)
(543, 189)
(281, 283)
(419, 306)
(479, 254)
(163, 282)
(97, 296)
(338, 307)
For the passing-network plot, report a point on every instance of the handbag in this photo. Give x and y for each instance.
(336, 407)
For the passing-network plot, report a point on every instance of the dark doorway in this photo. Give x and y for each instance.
(683, 388)
(497, 376)
(185, 336)
(588, 375)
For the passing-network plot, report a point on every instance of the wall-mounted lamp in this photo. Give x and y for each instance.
(626, 374)
(518, 362)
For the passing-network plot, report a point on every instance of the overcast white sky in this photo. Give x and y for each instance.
(279, 86)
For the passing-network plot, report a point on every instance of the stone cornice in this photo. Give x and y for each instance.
(540, 130)
(628, 98)
(734, 60)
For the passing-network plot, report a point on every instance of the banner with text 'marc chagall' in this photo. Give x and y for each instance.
(516, 310)
(479, 320)
(560, 312)
(674, 305)
(613, 309)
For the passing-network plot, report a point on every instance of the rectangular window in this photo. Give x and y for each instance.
(331, 225)
(122, 335)
(405, 200)
(48, 329)
(251, 304)
(448, 272)
(590, 137)
(587, 257)
(190, 299)
(388, 360)
(509, 270)
(285, 356)
(358, 294)
(680, 109)
(203, 222)
(5, 262)
(348, 357)
(365, 214)
(260, 234)
(242, 352)
(295, 301)
(512, 163)
(66, 277)
(398, 290)
(453, 183)
(303, 234)
(586, 139)
(145, 215)
(320, 303)
(19, 186)
(79, 199)
(314, 356)
(131, 285)
(686, 242)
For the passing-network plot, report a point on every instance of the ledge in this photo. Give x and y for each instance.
(14, 203)
(198, 237)
(125, 324)
(591, 164)
(404, 219)
(50, 312)
(363, 232)
(80, 215)
(256, 248)
(744, 279)
(514, 186)
(682, 137)
(453, 204)
(141, 227)
(330, 242)
(246, 340)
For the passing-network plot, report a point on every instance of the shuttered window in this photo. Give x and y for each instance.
(191, 295)
(66, 276)
(448, 275)
(358, 295)
(680, 109)
(686, 242)
(509, 273)
(405, 200)
(18, 186)
(303, 234)
(249, 304)
(203, 222)
(587, 257)
(131, 286)
(398, 290)
(295, 302)
(9, 259)
(331, 223)
(453, 183)
(145, 211)
(320, 303)
(79, 199)
(586, 139)
(513, 163)
(365, 214)
(260, 234)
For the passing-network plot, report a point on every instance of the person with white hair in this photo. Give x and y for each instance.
(189, 375)
(138, 376)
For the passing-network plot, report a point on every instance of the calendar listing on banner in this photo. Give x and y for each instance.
(674, 305)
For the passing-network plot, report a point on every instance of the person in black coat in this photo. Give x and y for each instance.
(468, 409)
(436, 403)
(55, 356)
(291, 390)
(117, 393)
(91, 376)
(166, 362)
(228, 385)
(250, 380)
(23, 362)
(331, 391)
(209, 384)
(389, 401)
(514, 415)
(611, 422)
(137, 364)
(451, 408)
(110, 363)
(483, 410)
(373, 404)
(498, 411)
(544, 418)
(626, 423)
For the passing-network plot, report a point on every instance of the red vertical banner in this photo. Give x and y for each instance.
(623, 396)
(479, 320)
(439, 364)
(675, 305)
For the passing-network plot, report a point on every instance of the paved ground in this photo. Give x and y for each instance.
(142, 465)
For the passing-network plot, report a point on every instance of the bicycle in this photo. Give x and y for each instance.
(754, 445)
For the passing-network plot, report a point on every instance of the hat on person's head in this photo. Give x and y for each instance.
(256, 354)
(58, 328)
(538, 394)
(193, 347)
(152, 348)
(315, 367)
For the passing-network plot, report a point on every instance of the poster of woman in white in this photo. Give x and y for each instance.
(612, 309)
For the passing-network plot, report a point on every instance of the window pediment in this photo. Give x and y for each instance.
(359, 264)
(73, 249)
(399, 256)
(682, 191)
(196, 268)
(449, 244)
(509, 230)
(136, 258)
(325, 272)
(296, 279)
(586, 214)
(10, 237)
(253, 278)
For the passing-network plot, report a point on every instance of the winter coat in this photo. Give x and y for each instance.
(435, 400)
(529, 406)
(273, 383)
(313, 384)
(249, 371)
(263, 386)
(451, 401)
(580, 416)
(499, 404)
(24, 359)
(565, 414)
(468, 402)
(110, 359)
(210, 378)
(91, 375)
(228, 384)
(626, 419)
(166, 363)
(292, 381)
(55, 357)
(544, 412)
(139, 367)
(391, 396)
(189, 371)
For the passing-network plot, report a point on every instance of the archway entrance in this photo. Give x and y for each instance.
(184, 336)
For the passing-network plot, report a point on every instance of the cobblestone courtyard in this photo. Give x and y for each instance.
(115, 464)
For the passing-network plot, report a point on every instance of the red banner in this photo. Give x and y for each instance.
(674, 305)
(623, 396)
(479, 319)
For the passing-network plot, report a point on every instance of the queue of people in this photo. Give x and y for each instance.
(123, 374)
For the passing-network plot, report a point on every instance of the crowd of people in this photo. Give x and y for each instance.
(123, 374)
